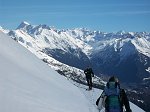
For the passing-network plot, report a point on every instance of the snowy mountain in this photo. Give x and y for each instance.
(128, 58)
(55, 43)
(38, 46)
(125, 54)
(29, 85)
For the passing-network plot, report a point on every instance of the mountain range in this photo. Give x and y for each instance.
(123, 54)
(27, 84)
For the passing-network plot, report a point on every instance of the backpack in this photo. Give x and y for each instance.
(88, 72)
(112, 93)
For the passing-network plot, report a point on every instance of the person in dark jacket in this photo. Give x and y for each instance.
(115, 97)
(89, 74)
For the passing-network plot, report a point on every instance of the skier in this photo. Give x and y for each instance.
(113, 97)
(89, 74)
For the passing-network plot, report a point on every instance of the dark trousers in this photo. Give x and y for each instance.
(89, 82)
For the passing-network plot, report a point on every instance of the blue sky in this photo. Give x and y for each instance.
(103, 15)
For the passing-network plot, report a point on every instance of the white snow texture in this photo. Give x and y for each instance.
(28, 85)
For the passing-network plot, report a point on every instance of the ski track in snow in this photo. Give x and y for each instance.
(90, 95)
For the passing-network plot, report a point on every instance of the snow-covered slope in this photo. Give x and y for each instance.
(95, 93)
(29, 85)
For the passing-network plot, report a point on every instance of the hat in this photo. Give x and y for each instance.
(113, 79)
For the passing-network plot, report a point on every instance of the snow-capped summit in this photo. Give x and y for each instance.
(44, 26)
(23, 24)
(121, 32)
(25, 27)
(3, 30)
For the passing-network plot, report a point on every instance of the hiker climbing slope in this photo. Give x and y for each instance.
(89, 74)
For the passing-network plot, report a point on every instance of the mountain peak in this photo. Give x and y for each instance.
(44, 26)
(121, 32)
(23, 24)
(3, 30)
